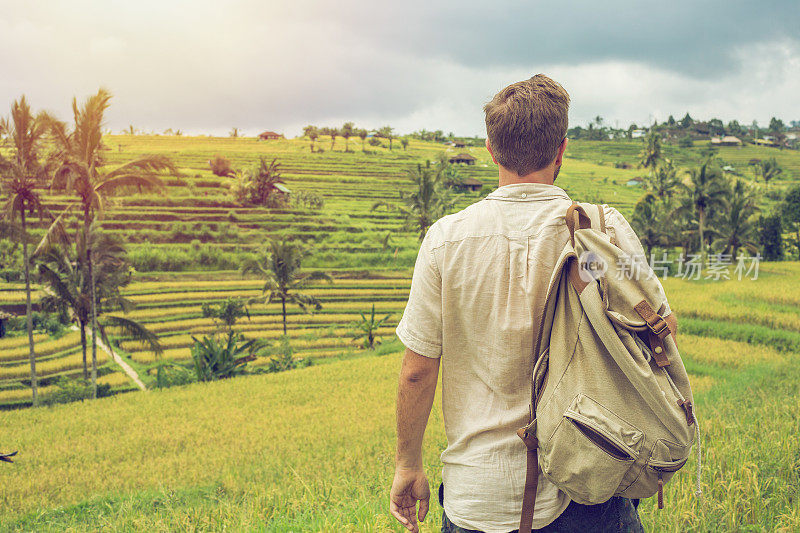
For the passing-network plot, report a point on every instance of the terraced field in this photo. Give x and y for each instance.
(188, 241)
(193, 236)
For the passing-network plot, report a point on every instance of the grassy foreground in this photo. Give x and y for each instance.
(312, 450)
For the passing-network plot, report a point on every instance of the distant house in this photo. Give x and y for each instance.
(728, 140)
(269, 136)
(765, 142)
(462, 159)
(634, 182)
(638, 134)
(470, 184)
(459, 144)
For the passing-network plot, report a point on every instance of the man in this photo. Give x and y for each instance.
(477, 296)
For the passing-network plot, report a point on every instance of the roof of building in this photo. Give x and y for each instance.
(471, 181)
(463, 156)
(269, 133)
(728, 139)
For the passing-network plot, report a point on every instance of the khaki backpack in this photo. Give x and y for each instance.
(611, 405)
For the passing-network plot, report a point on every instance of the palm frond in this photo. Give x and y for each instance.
(150, 164)
(56, 234)
(135, 330)
(141, 181)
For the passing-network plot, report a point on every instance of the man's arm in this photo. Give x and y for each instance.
(415, 394)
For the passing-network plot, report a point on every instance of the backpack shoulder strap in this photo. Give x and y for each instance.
(601, 215)
(596, 214)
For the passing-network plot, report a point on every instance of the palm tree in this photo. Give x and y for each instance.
(22, 175)
(387, 132)
(663, 181)
(279, 267)
(429, 200)
(312, 133)
(82, 173)
(234, 133)
(736, 226)
(67, 287)
(347, 131)
(768, 169)
(651, 151)
(333, 132)
(450, 175)
(362, 133)
(647, 221)
(705, 192)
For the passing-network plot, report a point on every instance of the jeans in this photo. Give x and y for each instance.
(617, 515)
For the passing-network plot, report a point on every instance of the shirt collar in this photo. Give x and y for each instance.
(522, 192)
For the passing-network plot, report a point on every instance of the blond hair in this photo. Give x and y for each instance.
(526, 123)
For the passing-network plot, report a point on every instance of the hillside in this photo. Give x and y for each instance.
(188, 242)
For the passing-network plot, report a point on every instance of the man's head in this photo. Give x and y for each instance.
(526, 125)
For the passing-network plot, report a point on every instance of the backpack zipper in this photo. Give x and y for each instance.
(583, 423)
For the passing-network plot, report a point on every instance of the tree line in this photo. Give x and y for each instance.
(687, 127)
(348, 130)
(704, 209)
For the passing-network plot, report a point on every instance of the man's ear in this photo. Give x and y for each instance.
(489, 147)
(561, 150)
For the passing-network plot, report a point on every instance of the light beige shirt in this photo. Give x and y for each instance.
(477, 296)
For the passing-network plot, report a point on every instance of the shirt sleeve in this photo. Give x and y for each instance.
(629, 242)
(420, 328)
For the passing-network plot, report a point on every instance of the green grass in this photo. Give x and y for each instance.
(311, 450)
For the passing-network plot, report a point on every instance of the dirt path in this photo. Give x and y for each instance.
(117, 359)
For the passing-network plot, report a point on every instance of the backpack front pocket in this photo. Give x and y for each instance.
(590, 451)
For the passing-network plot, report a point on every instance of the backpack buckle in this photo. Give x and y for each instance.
(654, 321)
(660, 328)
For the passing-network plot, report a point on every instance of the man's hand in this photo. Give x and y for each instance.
(408, 488)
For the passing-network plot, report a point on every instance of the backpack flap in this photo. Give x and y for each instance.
(631, 294)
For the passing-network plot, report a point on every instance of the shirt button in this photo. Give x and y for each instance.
(524, 195)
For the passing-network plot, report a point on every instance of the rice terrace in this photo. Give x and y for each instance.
(247, 247)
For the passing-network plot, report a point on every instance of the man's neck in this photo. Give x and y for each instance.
(545, 176)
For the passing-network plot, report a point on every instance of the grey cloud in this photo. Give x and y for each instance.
(694, 37)
(206, 66)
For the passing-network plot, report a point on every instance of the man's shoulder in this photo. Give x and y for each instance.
(457, 225)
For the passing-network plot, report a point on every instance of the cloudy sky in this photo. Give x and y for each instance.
(206, 66)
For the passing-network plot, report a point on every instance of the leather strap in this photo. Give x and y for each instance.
(602, 216)
(574, 275)
(658, 329)
(576, 219)
(531, 478)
